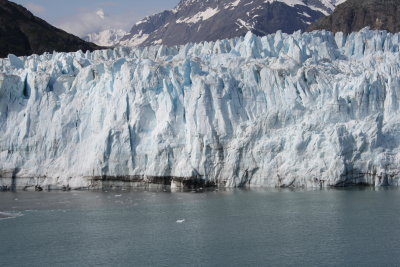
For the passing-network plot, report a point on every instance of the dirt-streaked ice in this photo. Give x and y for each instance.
(311, 109)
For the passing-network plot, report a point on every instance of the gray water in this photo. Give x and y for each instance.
(226, 228)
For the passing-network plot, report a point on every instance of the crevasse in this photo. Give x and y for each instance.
(307, 109)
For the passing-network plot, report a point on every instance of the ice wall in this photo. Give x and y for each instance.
(308, 109)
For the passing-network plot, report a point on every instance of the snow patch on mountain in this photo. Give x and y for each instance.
(288, 2)
(204, 15)
(233, 4)
(241, 23)
(136, 40)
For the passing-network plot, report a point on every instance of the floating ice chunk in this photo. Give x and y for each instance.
(7, 215)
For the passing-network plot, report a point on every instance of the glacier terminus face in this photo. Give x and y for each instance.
(307, 109)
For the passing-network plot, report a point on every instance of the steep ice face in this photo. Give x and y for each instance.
(311, 109)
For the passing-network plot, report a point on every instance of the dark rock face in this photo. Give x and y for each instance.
(354, 15)
(145, 181)
(21, 33)
(210, 20)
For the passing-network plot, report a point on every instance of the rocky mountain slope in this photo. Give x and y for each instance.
(210, 20)
(312, 109)
(354, 15)
(21, 33)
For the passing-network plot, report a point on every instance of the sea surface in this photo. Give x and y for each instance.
(348, 227)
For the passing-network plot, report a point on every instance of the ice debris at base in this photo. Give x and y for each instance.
(308, 109)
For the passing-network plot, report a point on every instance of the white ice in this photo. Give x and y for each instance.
(312, 109)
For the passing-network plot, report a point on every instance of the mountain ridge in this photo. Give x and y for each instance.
(210, 20)
(353, 15)
(22, 34)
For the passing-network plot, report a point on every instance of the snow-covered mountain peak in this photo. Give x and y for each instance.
(326, 6)
(109, 37)
(210, 20)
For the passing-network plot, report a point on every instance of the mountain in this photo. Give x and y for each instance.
(307, 109)
(21, 33)
(210, 20)
(354, 15)
(109, 37)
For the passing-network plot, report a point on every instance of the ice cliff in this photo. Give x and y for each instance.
(307, 109)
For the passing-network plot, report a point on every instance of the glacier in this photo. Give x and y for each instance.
(302, 110)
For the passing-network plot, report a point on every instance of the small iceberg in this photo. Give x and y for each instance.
(180, 221)
(6, 215)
